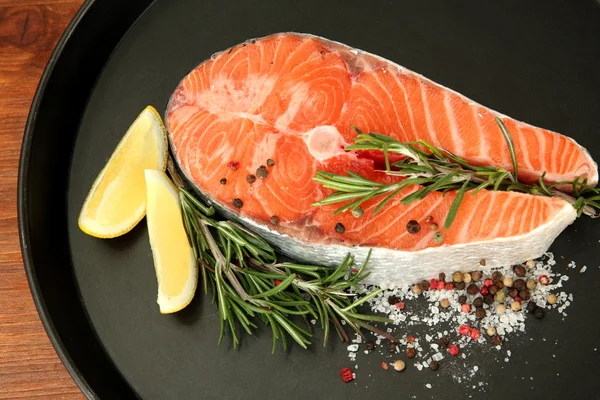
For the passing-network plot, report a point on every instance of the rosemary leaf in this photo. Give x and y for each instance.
(511, 148)
(455, 205)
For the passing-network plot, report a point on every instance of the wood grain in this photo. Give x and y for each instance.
(29, 366)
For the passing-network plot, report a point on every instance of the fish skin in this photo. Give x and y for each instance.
(415, 265)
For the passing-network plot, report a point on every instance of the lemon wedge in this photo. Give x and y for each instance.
(117, 200)
(174, 261)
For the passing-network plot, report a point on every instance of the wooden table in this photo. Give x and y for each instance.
(29, 366)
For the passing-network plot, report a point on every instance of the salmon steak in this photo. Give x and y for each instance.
(250, 127)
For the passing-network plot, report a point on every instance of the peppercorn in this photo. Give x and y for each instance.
(391, 347)
(500, 285)
(357, 212)
(445, 303)
(262, 172)
(413, 226)
(552, 298)
(346, 374)
(457, 277)
(417, 289)
(274, 220)
(538, 312)
(497, 276)
(465, 308)
(237, 203)
(424, 285)
(462, 299)
(467, 278)
(429, 219)
(493, 290)
(270, 162)
(449, 286)
(519, 284)
(515, 306)
(399, 305)
(508, 282)
(411, 352)
(472, 289)
(464, 329)
(484, 291)
(440, 285)
(500, 309)
(442, 277)
(544, 280)
(497, 340)
(459, 286)
(410, 339)
(251, 178)
(480, 313)
(525, 295)
(399, 365)
(233, 165)
(223, 181)
(434, 365)
(500, 297)
(392, 300)
(476, 275)
(531, 284)
(370, 345)
(488, 282)
(444, 342)
(339, 228)
(438, 237)
(531, 306)
(489, 299)
(519, 271)
(474, 334)
(491, 331)
(433, 226)
(478, 302)
(482, 262)
(453, 350)
(513, 292)
(530, 264)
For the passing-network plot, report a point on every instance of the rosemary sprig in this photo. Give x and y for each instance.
(436, 169)
(249, 285)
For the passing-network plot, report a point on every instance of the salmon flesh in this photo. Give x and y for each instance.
(250, 127)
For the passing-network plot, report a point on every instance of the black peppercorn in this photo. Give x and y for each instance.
(497, 340)
(339, 228)
(513, 293)
(480, 313)
(531, 306)
(520, 271)
(392, 300)
(251, 178)
(413, 226)
(497, 276)
(478, 302)
(462, 299)
(444, 342)
(237, 203)
(525, 295)
(488, 299)
(538, 312)
(370, 345)
(434, 365)
(519, 284)
(442, 277)
(424, 285)
(391, 347)
(270, 162)
(500, 284)
(262, 172)
(274, 220)
(459, 286)
(476, 275)
(472, 289)
(223, 181)
(482, 262)
(411, 352)
(493, 290)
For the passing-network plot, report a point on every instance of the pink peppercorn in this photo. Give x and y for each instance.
(474, 334)
(400, 305)
(385, 365)
(464, 329)
(484, 291)
(441, 285)
(449, 286)
(544, 280)
(354, 271)
(466, 308)
(277, 282)
(346, 374)
(488, 282)
(518, 299)
(433, 284)
(453, 350)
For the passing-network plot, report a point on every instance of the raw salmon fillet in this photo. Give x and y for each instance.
(250, 127)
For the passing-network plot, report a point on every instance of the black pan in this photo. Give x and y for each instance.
(537, 61)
